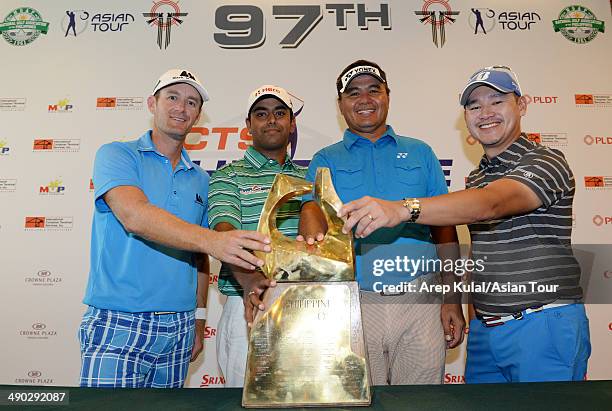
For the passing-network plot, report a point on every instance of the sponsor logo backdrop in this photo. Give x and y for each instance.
(74, 79)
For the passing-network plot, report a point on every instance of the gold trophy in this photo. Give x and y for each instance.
(307, 347)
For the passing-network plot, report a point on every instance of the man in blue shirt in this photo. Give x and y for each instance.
(148, 249)
(405, 337)
(518, 207)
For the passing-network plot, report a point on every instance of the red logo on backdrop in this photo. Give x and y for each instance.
(590, 140)
(453, 379)
(35, 222)
(598, 220)
(106, 102)
(602, 220)
(223, 134)
(43, 144)
(208, 380)
(594, 181)
(583, 98)
(210, 332)
(535, 137)
(213, 279)
(541, 99)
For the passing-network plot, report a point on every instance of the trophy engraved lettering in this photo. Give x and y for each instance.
(307, 347)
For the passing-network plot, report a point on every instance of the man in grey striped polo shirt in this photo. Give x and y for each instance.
(236, 195)
(530, 325)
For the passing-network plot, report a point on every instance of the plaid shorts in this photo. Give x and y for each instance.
(135, 350)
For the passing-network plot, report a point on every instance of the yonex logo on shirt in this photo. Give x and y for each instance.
(402, 155)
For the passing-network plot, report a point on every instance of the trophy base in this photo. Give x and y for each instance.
(307, 348)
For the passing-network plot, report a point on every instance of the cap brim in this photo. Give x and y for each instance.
(467, 91)
(376, 76)
(269, 95)
(201, 90)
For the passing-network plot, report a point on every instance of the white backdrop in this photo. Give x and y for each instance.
(62, 96)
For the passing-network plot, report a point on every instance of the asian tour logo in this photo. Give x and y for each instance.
(77, 21)
(484, 20)
(22, 26)
(578, 24)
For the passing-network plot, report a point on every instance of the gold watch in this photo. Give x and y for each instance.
(414, 207)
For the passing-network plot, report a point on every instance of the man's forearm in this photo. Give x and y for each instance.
(162, 227)
(203, 265)
(460, 207)
(447, 247)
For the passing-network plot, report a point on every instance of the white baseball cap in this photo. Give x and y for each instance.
(269, 91)
(174, 76)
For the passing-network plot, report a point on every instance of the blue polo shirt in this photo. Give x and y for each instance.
(392, 168)
(129, 273)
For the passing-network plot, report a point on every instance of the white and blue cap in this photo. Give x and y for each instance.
(501, 78)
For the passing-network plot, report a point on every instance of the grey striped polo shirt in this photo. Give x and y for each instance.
(530, 248)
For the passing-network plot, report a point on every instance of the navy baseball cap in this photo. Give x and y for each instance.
(501, 78)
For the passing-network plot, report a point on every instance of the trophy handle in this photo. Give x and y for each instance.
(283, 188)
(331, 260)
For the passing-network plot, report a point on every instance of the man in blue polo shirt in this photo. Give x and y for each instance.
(530, 322)
(148, 249)
(405, 337)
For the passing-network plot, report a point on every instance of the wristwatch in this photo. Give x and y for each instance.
(414, 207)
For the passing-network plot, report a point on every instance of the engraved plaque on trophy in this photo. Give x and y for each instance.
(307, 347)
